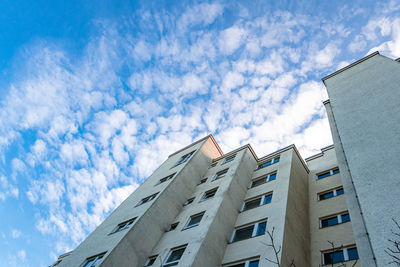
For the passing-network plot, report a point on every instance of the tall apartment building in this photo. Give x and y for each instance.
(202, 207)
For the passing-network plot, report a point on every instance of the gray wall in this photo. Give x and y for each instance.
(365, 123)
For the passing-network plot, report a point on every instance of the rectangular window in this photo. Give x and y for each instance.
(169, 177)
(249, 231)
(209, 194)
(123, 225)
(94, 260)
(174, 256)
(213, 164)
(229, 159)
(269, 162)
(173, 226)
(263, 179)
(147, 199)
(248, 263)
(190, 200)
(257, 202)
(331, 193)
(151, 260)
(184, 158)
(325, 174)
(339, 255)
(194, 220)
(334, 220)
(202, 181)
(220, 174)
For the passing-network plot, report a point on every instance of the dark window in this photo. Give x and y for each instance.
(335, 171)
(333, 257)
(93, 261)
(259, 182)
(194, 220)
(272, 177)
(213, 164)
(254, 263)
(174, 257)
(324, 175)
(166, 178)
(326, 195)
(267, 199)
(339, 191)
(190, 200)
(151, 260)
(243, 233)
(184, 158)
(238, 265)
(147, 199)
(229, 159)
(267, 163)
(353, 254)
(276, 160)
(252, 204)
(173, 226)
(220, 174)
(345, 217)
(261, 228)
(209, 194)
(329, 222)
(123, 225)
(202, 181)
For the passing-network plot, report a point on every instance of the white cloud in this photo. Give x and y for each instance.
(231, 39)
(15, 233)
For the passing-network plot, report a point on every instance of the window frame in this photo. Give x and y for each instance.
(189, 201)
(334, 192)
(327, 173)
(213, 164)
(261, 203)
(344, 250)
(229, 159)
(268, 162)
(215, 190)
(173, 226)
(220, 174)
(126, 224)
(147, 199)
(202, 181)
(176, 262)
(266, 177)
(98, 258)
(255, 226)
(187, 226)
(166, 178)
(338, 217)
(154, 257)
(184, 158)
(246, 262)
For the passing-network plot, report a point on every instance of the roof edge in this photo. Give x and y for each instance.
(323, 150)
(350, 66)
(198, 141)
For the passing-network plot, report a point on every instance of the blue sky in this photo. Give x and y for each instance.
(94, 96)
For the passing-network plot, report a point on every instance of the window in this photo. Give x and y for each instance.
(151, 260)
(263, 179)
(220, 174)
(202, 181)
(184, 158)
(249, 263)
(331, 193)
(169, 177)
(327, 173)
(94, 260)
(190, 200)
(123, 225)
(173, 226)
(209, 194)
(229, 159)
(174, 256)
(269, 162)
(194, 220)
(334, 220)
(213, 164)
(147, 199)
(257, 202)
(339, 255)
(249, 231)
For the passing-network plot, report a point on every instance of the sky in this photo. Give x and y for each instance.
(94, 95)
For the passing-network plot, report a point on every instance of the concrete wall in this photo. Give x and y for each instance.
(296, 240)
(365, 124)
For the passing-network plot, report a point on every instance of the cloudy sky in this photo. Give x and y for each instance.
(94, 95)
